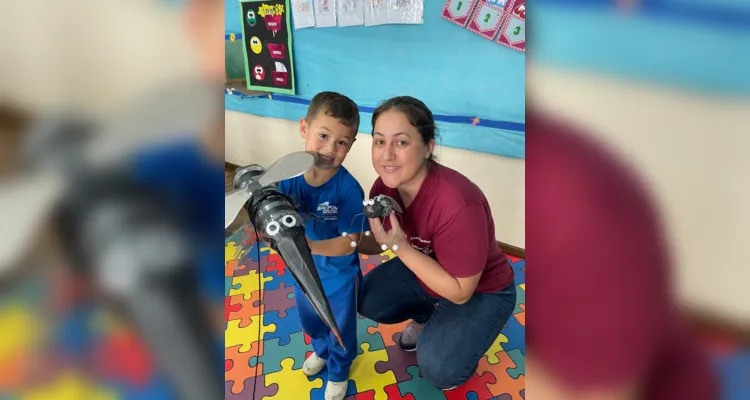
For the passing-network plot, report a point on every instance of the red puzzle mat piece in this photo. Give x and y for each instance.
(247, 308)
(368, 395)
(275, 265)
(477, 384)
(122, 356)
(230, 308)
(368, 268)
(394, 394)
(237, 365)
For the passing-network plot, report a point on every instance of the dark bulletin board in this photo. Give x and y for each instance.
(234, 58)
(267, 45)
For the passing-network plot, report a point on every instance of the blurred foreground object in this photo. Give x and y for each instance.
(119, 232)
(601, 261)
(59, 147)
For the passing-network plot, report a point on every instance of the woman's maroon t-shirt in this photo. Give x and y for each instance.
(604, 311)
(450, 220)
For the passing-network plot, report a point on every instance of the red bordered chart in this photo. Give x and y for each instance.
(459, 11)
(487, 18)
(513, 32)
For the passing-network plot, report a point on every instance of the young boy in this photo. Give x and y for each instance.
(331, 197)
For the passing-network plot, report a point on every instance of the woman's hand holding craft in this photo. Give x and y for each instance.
(394, 238)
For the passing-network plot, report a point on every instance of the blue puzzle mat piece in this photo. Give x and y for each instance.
(157, 389)
(319, 394)
(273, 284)
(519, 267)
(73, 334)
(516, 335)
(284, 326)
(735, 375)
(273, 353)
(252, 253)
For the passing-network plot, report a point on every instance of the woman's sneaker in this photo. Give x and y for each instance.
(313, 365)
(336, 390)
(409, 336)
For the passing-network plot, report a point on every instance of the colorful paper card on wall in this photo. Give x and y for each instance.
(267, 46)
(325, 13)
(303, 14)
(513, 32)
(487, 18)
(350, 13)
(459, 11)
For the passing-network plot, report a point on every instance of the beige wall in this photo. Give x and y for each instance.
(694, 150)
(88, 55)
(253, 139)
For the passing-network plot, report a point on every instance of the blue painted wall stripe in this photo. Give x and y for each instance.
(676, 51)
(485, 138)
(511, 126)
(719, 13)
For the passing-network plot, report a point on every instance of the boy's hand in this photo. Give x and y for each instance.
(338, 246)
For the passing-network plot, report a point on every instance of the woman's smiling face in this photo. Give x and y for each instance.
(398, 152)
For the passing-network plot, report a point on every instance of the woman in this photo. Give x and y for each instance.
(450, 277)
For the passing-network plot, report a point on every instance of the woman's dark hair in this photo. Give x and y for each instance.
(416, 112)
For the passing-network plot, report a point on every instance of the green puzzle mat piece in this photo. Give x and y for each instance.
(520, 299)
(419, 387)
(520, 360)
(363, 336)
(273, 353)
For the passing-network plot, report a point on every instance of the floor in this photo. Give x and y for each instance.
(70, 348)
(382, 371)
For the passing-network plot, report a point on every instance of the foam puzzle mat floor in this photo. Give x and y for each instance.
(85, 353)
(381, 371)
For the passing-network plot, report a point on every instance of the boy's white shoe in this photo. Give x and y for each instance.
(336, 390)
(313, 365)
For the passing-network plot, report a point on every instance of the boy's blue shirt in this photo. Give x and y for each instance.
(329, 210)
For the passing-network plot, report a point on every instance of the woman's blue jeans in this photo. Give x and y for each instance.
(455, 337)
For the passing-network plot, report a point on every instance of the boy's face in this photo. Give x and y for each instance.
(327, 137)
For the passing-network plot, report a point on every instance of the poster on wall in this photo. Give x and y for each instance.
(376, 12)
(379, 12)
(325, 13)
(487, 18)
(303, 14)
(267, 45)
(350, 12)
(513, 32)
(405, 11)
(459, 11)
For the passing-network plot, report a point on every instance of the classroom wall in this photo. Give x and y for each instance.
(456, 72)
(664, 129)
(692, 148)
(91, 56)
(262, 140)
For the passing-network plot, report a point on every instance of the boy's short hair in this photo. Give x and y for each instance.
(337, 106)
